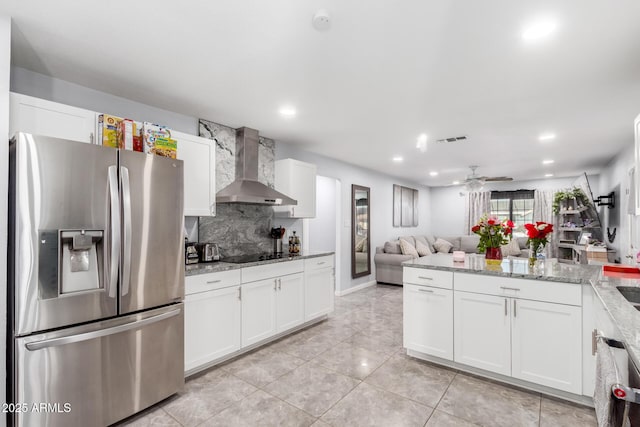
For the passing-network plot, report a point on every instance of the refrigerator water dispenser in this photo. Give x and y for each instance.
(80, 267)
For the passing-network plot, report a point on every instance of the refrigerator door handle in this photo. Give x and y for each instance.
(114, 200)
(126, 239)
(54, 342)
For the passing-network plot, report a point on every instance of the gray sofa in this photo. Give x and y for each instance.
(388, 259)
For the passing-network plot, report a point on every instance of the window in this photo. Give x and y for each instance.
(514, 205)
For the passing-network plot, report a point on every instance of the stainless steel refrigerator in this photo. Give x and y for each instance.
(96, 281)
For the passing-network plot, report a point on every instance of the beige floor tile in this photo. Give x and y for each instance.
(260, 409)
(442, 419)
(350, 360)
(413, 379)
(490, 404)
(263, 366)
(367, 405)
(207, 395)
(554, 413)
(155, 417)
(312, 388)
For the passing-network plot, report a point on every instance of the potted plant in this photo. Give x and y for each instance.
(493, 234)
(571, 194)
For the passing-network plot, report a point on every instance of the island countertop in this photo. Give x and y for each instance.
(549, 270)
(213, 267)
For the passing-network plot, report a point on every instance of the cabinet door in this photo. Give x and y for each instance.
(211, 326)
(428, 320)
(318, 298)
(546, 344)
(297, 180)
(258, 311)
(42, 117)
(482, 331)
(636, 126)
(290, 302)
(199, 156)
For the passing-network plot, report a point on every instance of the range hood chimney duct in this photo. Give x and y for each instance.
(246, 188)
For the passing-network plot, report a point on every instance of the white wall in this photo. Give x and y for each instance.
(614, 176)
(5, 63)
(322, 228)
(448, 209)
(42, 86)
(381, 186)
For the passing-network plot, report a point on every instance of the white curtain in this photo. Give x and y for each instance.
(543, 211)
(477, 203)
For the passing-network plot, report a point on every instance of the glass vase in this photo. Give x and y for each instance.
(532, 254)
(493, 256)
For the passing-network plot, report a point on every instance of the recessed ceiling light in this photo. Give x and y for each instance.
(397, 159)
(547, 162)
(538, 30)
(456, 182)
(288, 111)
(422, 142)
(547, 137)
(433, 173)
(548, 175)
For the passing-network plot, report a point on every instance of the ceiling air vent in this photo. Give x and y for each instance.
(452, 139)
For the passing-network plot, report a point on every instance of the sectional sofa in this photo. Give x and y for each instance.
(388, 259)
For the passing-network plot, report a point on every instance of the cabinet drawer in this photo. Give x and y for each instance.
(260, 272)
(423, 276)
(318, 263)
(537, 290)
(211, 281)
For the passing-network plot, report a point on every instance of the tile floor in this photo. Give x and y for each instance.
(351, 370)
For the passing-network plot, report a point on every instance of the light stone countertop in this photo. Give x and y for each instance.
(216, 266)
(624, 315)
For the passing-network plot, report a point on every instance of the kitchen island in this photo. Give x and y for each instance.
(531, 327)
(232, 308)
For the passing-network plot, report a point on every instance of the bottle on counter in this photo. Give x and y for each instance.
(291, 243)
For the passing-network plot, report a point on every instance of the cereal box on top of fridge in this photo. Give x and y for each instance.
(108, 130)
(157, 140)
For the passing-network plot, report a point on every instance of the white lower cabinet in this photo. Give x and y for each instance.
(290, 302)
(318, 299)
(546, 344)
(428, 320)
(212, 326)
(482, 331)
(258, 311)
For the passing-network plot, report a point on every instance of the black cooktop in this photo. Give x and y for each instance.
(242, 259)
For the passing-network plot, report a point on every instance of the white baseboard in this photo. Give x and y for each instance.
(355, 288)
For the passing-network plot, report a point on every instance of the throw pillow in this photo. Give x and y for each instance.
(442, 245)
(430, 241)
(408, 249)
(422, 249)
(392, 247)
(511, 249)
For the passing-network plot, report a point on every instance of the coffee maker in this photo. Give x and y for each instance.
(276, 235)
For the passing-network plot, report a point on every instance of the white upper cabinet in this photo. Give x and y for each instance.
(636, 127)
(297, 180)
(199, 156)
(41, 117)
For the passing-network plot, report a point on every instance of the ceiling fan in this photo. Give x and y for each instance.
(475, 182)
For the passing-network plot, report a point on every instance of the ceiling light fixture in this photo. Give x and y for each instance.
(288, 111)
(397, 159)
(433, 173)
(547, 137)
(422, 143)
(474, 185)
(538, 30)
(321, 20)
(548, 175)
(547, 162)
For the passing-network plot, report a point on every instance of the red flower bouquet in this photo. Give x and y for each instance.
(493, 232)
(538, 238)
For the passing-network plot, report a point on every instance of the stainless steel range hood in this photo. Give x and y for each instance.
(246, 188)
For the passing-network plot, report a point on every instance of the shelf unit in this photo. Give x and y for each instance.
(571, 223)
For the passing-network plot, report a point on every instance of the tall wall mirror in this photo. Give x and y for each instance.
(360, 241)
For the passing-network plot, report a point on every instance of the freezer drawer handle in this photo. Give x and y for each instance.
(54, 342)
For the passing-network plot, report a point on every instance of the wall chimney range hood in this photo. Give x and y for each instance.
(246, 188)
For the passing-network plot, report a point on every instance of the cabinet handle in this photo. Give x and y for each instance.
(425, 290)
(279, 284)
(425, 277)
(240, 294)
(505, 307)
(506, 288)
(91, 138)
(275, 284)
(514, 308)
(210, 282)
(320, 263)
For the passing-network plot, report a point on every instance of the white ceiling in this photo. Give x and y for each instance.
(384, 73)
